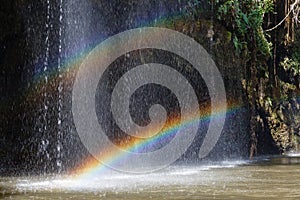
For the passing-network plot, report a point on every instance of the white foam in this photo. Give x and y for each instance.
(112, 180)
(293, 154)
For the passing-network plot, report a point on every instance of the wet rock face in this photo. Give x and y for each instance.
(30, 56)
(12, 54)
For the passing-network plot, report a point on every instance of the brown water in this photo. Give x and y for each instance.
(275, 178)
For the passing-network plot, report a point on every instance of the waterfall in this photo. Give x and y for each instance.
(59, 90)
(44, 126)
(60, 35)
(47, 98)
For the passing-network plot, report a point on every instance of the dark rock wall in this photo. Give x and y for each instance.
(30, 39)
(12, 76)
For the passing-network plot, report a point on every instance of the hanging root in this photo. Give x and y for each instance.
(295, 9)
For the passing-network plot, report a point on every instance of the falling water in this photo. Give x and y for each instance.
(60, 89)
(47, 102)
(71, 27)
(45, 141)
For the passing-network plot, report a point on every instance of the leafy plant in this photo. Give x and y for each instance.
(245, 18)
(291, 65)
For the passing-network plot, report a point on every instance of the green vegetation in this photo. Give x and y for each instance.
(245, 18)
(271, 76)
(266, 39)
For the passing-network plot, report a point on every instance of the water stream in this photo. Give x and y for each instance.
(269, 177)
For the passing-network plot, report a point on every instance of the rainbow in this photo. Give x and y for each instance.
(91, 167)
(71, 63)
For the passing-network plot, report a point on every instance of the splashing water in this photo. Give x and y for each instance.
(225, 180)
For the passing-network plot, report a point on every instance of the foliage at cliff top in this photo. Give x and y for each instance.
(245, 19)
